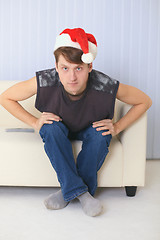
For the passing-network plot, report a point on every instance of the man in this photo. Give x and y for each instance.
(76, 102)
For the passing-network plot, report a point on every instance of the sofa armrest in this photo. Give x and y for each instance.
(133, 140)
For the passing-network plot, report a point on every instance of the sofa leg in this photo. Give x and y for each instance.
(131, 191)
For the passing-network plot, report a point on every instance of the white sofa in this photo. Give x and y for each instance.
(23, 161)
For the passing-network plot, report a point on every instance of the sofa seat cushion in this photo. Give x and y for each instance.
(25, 163)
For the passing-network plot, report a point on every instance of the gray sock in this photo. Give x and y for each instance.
(55, 201)
(91, 206)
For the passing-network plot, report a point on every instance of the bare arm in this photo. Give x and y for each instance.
(18, 92)
(21, 91)
(131, 95)
(141, 103)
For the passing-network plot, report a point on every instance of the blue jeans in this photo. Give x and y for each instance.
(80, 177)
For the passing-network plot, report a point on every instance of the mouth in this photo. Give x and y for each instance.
(73, 83)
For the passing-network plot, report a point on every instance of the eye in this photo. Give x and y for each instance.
(79, 68)
(65, 68)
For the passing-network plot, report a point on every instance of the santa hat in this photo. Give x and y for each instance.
(78, 38)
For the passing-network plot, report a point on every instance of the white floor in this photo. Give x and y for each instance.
(23, 215)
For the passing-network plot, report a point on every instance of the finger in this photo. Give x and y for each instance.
(102, 121)
(98, 124)
(51, 115)
(106, 133)
(52, 119)
(108, 125)
(48, 122)
(102, 128)
(56, 119)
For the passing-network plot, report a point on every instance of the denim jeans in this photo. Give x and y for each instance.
(80, 177)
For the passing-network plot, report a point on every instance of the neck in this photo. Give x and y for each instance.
(75, 97)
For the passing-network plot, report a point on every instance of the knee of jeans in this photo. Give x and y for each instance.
(93, 133)
(54, 128)
(97, 136)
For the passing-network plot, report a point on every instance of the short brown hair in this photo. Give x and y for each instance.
(71, 54)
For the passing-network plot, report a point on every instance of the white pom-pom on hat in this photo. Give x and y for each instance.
(78, 38)
(87, 57)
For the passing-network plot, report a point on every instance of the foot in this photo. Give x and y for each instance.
(55, 201)
(91, 206)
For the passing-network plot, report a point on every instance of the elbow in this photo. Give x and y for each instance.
(149, 102)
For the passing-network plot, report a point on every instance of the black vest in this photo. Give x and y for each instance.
(96, 104)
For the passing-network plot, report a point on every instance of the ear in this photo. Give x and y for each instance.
(90, 67)
(56, 65)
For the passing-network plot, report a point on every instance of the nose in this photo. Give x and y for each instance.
(73, 76)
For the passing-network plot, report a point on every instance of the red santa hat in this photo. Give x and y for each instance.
(78, 38)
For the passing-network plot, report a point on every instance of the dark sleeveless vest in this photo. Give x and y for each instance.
(97, 102)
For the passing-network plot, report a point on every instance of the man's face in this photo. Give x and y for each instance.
(73, 76)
